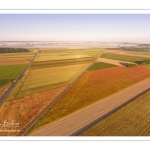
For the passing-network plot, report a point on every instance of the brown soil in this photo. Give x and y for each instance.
(24, 110)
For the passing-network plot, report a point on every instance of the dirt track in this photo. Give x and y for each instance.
(111, 61)
(79, 121)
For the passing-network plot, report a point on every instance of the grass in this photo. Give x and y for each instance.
(4, 82)
(131, 120)
(131, 65)
(100, 65)
(125, 58)
(91, 87)
(9, 72)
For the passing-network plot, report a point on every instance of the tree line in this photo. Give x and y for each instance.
(132, 48)
(13, 50)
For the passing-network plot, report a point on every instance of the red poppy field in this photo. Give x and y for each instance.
(93, 86)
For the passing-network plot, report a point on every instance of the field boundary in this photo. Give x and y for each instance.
(77, 122)
(33, 122)
(109, 113)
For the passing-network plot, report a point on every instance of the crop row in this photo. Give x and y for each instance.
(46, 78)
(93, 86)
(131, 120)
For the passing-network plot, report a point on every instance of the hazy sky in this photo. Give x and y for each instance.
(75, 27)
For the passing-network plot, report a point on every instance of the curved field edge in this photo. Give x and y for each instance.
(91, 87)
(131, 120)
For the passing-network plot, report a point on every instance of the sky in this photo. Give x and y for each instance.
(75, 27)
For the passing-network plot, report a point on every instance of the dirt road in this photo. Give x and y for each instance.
(114, 62)
(81, 120)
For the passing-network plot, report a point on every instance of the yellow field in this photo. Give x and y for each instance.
(48, 55)
(46, 78)
(59, 57)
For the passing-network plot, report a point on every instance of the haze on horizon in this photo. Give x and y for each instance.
(75, 27)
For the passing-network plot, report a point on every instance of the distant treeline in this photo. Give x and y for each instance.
(13, 50)
(144, 45)
(132, 48)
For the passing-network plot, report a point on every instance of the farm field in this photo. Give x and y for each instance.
(112, 61)
(11, 71)
(39, 80)
(8, 73)
(141, 53)
(11, 66)
(100, 65)
(131, 120)
(129, 53)
(93, 86)
(147, 65)
(124, 58)
(66, 54)
(48, 74)
(25, 109)
(16, 58)
(41, 84)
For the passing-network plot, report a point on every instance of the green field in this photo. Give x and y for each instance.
(100, 65)
(124, 58)
(131, 120)
(9, 72)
